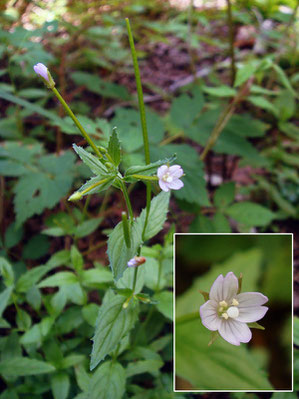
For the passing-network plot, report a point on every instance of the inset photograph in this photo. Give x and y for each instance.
(233, 312)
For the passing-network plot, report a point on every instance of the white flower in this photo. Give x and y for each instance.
(41, 70)
(169, 177)
(228, 312)
(136, 261)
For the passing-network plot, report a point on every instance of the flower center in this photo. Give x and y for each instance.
(227, 311)
(167, 178)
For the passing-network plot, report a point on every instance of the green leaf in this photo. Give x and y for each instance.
(110, 377)
(185, 108)
(44, 185)
(220, 91)
(6, 271)
(76, 259)
(13, 236)
(91, 161)
(263, 103)
(157, 215)
(150, 366)
(114, 148)
(31, 277)
(250, 214)
(93, 277)
(113, 323)
(224, 195)
(147, 169)
(60, 385)
(87, 227)
(245, 72)
(128, 125)
(165, 303)
(236, 367)
(36, 247)
(94, 185)
(4, 299)
(118, 253)
(284, 79)
(22, 366)
(90, 313)
(59, 279)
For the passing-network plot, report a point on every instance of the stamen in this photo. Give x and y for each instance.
(225, 316)
(223, 303)
(235, 302)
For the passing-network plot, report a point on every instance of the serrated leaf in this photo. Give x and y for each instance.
(118, 253)
(250, 214)
(59, 279)
(94, 164)
(157, 215)
(114, 148)
(44, 186)
(110, 377)
(22, 366)
(113, 323)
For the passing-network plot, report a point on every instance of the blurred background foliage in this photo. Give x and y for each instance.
(265, 262)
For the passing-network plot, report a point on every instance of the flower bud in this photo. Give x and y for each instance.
(41, 70)
(76, 196)
(136, 261)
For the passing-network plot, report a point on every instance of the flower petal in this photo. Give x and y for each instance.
(176, 171)
(176, 184)
(234, 331)
(230, 286)
(209, 317)
(162, 170)
(42, 70)
(247, 299)
(216, 289)
(163, 185)
(251, 314)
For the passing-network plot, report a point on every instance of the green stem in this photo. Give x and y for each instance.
(142, 119)
(231, 42)
(135, 279)
(127, 199)
(126, 229)
(187, 317)
(77, 123)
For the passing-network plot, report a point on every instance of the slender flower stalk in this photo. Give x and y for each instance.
(41, 70)
(126, 229)
(228, 311)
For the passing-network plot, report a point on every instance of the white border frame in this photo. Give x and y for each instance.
(236, 234)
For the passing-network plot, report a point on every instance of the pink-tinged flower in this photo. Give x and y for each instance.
(136, 261)
(228, 312)
(169, 177)
(41, 70)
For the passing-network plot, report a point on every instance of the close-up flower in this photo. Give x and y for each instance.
(42, 70)
(169, 177)
(228, 311)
